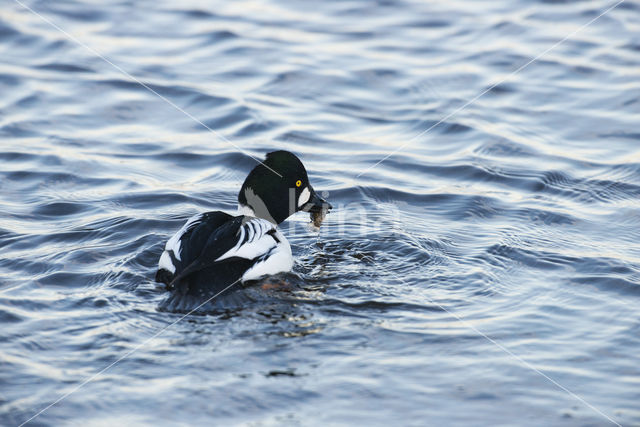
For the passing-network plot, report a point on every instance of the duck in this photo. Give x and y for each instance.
(213, 251)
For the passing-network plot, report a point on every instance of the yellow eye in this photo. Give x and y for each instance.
(298, 183)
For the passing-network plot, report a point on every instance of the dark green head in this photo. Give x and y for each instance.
(279, 187)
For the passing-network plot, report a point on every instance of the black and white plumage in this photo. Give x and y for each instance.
(218, 245)
(214, 250)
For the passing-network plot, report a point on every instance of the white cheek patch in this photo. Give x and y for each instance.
(304, 197)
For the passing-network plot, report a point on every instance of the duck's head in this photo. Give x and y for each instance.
(277, 188)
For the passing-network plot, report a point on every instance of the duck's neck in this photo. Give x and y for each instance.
(245, 210)
(250, 204)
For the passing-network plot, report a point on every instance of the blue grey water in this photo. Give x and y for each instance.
(487, 273)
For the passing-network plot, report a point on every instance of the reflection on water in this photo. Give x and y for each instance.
(508, 228)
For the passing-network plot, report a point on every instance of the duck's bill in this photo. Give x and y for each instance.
(317, 205)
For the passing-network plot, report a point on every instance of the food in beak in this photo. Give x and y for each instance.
(318, 217)
(318, 209)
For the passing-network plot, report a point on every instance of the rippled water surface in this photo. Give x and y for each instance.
(487, 273)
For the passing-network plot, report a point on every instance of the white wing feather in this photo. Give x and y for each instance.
(173, 244)
(258, 242)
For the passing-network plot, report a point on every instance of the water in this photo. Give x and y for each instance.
(488, 273)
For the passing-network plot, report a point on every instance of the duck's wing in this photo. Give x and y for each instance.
(187, 244)
(215, 252)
